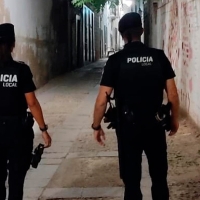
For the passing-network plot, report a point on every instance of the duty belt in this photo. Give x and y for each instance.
(26, 120)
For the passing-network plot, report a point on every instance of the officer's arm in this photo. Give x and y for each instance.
(106, 86)
(35, 108)
(173, 98)
(101, 104)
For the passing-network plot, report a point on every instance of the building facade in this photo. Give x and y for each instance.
(88, 35)
(110, 38)
(109, 35)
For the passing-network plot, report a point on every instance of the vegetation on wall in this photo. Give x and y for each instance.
(96, 4)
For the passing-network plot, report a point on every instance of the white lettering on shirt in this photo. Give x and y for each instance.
(140, 59)
(9, 80)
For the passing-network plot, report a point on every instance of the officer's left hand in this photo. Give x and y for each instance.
(100, 137)
(47, 139)
(174, 126)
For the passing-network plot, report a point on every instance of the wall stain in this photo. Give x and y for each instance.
(46, 58)
(29, 53)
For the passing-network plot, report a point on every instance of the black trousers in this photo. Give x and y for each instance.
(132, 141)
(15, 156)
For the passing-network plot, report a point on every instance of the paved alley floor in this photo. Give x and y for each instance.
(76, 167)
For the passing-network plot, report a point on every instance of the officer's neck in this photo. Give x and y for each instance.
(5, 58)
(133, 40)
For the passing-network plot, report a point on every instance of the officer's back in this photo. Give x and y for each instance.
(13, 77)
(139, 78)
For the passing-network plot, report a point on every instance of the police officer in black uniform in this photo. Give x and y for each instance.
(139, 75)
(16, 133)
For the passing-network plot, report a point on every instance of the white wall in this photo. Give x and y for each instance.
(111, 24)
(136, 4)
(33, 33)
(177, 31)
(139, 5)
(31, 18)
(105, 22)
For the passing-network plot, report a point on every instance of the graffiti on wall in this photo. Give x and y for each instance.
(186, 14)
(180, 28)
(181, 42)
(173, 35)
(185, 100)
(180, 24)
(188, 28)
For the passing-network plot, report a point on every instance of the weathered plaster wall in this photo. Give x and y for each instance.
(97, 34)
(175, 27)
(40, 28)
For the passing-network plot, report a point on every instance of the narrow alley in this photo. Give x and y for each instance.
(66, 47)
(76, 167)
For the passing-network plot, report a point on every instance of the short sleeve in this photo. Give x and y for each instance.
(168, 70)
(109, 74)
(27, 83)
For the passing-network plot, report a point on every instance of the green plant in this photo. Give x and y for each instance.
(97, 4)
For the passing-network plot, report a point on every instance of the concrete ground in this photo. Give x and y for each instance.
(76, 166)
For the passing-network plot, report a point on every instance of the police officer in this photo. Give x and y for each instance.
(16, 133)
(138, 74)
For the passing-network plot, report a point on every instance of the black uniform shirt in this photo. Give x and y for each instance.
(15, 81)
(138, 74)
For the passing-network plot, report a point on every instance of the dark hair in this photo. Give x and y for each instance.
(129, 34)
(6, 49)
(9, 43)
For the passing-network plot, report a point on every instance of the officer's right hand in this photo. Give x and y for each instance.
(100, 136)
(174, 126)
(47, 139)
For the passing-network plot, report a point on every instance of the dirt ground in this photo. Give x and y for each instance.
(183, 156)
(184, 162)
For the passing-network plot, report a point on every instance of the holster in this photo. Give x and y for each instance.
(37, 155)
(163, 116)
(111, 114)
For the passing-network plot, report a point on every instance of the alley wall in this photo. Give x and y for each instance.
(175, 27)
(97, 35)
(41, 35)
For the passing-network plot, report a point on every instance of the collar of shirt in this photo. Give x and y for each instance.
(133, 44)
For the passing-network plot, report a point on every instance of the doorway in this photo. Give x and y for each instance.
(78, 40)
